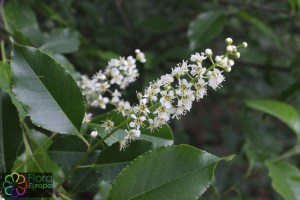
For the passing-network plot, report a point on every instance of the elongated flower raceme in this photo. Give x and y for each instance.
(172, 95)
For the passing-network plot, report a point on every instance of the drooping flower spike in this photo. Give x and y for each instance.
(172, 95)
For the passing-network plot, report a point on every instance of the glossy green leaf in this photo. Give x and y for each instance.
(173, 172)
(284, 179)
(22, 21)
(82, 180)
(67, 150)
(261, 26)
(111, 160)
(205, 28)
(47, 91)
(10, 133)
(159, 137)
(5, 84)
(5, 76)
(61, 41)
(35, 158)
(284, 112)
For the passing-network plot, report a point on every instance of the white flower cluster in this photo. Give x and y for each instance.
(172, 95)
(119, 72)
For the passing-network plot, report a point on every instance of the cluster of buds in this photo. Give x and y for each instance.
(119, 72)
(172, 95)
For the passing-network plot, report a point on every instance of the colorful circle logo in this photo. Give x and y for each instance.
(15, 185)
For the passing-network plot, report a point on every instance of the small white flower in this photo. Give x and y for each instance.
(132, 134)
(197, 70)
(153, 124)
(162, 113)
(167, 98)
(103, 86)
(200, 87)
(142, 107)
(183, 87)
(108, 125)
(117, 79)
(114, 63)
(94, 134)
(151, 92)
(87, 117)
(197, 57)
(215, 78)
(140, 56)
(167, 79)
(100, 76)
(123, 144)
(137, 122)
(101, 102)
(115, 96)
(123, 107)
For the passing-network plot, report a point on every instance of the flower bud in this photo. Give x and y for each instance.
(229, 48)
(237, 54)
(227, 69)
(228, 41)
(94, 134)
(244, 44)
(208, 52)
(218, 59)
(230, 63)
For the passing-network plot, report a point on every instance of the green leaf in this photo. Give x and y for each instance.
(5, 84)
(261, 26)
(5, 76)
(159, 137)
(10, 133)
(284, 179)
(48, 92)
(61, 41)
(173, 172)
(22, 21)
(284, 112)
(35, 158)
(111, 160)
(67, 150)
(205, 28)
(82, 180)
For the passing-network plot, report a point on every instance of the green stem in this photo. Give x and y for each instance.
(28, 147)
(3, 52)
(37, 150)
(95, 146)
(291, 152)
(90, 150)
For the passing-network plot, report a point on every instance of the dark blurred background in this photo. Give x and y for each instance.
(168, 31)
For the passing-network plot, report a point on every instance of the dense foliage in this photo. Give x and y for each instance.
(252, 122)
